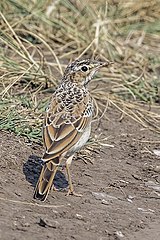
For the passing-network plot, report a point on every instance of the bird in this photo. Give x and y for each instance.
(67, 123)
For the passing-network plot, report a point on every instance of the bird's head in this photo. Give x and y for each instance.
(82, 71)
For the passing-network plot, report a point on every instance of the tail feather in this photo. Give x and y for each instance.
(45, 181)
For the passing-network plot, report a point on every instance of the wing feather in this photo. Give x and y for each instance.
(46, 138)
(51, 132)
(60, 134)
(64, 131)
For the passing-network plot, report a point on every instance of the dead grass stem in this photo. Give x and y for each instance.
(38, 39)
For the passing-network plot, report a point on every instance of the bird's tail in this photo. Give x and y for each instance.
(45, 180)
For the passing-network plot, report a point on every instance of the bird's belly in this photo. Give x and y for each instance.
(82, 141)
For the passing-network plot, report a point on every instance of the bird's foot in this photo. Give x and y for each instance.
(88, 160)
(54, 188)
(71, 192)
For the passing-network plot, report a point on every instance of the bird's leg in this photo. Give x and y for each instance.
(70, 191)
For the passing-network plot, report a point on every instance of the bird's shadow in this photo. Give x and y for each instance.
(32, 168)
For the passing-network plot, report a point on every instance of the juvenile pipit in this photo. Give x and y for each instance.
(67, 123)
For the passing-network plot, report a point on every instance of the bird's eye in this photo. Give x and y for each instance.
(84, 68)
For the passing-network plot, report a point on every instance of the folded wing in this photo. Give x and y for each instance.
(62, 129)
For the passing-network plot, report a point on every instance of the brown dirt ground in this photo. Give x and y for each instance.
(117, 202)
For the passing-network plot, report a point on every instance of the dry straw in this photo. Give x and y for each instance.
(38, 39)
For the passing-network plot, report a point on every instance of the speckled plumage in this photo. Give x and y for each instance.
(67, 123)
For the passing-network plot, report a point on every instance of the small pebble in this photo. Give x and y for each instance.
(80, 217)
(18, 194)
(153, 185)
(119, 234)
(157, 169)
(136, 177)
(156, 152)
(105, 202)
(103, 196)
(26, 224)
(44, 222)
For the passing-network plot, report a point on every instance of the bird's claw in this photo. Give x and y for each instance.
(71, 192)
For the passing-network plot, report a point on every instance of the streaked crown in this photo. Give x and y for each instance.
(82, 71)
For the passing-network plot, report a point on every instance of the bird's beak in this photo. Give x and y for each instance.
(104, 64)
(99, 64)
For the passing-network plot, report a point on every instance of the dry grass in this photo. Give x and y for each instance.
(38, 39)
